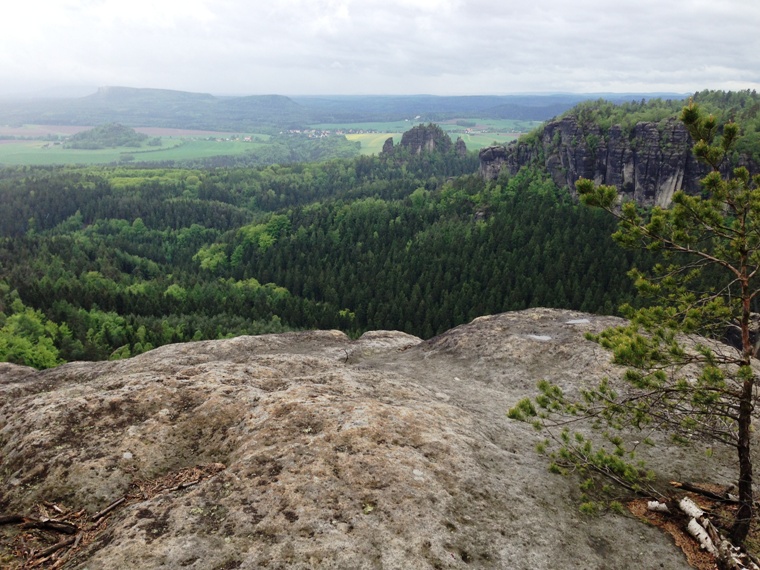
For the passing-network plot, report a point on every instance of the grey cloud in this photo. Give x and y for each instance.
(390, 46)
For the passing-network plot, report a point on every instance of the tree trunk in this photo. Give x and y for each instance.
(740, 528)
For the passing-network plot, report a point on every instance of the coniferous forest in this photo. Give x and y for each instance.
(108, 262)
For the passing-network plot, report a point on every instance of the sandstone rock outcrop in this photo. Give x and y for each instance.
(384, 452)
(647, 164)
(460, 147)
(426, 138)
(494, 158)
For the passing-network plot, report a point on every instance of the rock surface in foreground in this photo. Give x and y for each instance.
(386, 452)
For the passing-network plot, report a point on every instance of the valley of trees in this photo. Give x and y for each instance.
(108, 262)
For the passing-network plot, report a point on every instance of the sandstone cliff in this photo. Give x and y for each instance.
(647, 164)
(460, 147)
(424, 138)
(310, 450)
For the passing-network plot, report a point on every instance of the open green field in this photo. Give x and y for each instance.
(21, 152)
(503, 125)
(476, 133)
(476, 141)
(386, 127)
(372, 143)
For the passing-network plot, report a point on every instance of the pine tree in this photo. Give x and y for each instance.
(706, 283)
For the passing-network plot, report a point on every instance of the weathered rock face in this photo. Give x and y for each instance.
(426, 138)
(494, 158)
(460, 147)
(646, 165)
(385, 452)
(388, 145)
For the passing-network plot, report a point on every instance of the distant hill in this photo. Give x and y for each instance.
(158, 108)
(179, 109)
(263, 110)
(347, 108)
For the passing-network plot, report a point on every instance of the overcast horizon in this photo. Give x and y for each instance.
(380, 47)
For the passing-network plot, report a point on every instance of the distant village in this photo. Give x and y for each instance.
(318, 133)
(310, 133)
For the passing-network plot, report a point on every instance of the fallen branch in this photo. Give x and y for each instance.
(703, 537)
(108, 509)
(62, 560)
(690, 487)
(49, 524)
(53, 506)
(57, 546)
(44, 524)
(88, 527)
(184, 485)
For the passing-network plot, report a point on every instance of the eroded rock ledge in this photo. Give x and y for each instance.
(385, 452)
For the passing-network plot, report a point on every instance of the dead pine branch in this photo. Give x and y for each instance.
(108, 509)
(184, 485)
(55, 507)
(11, 519)
(62, 560)
(44, 524)
(86, 528)
(57, 546)
(48, 524)
(691, 488)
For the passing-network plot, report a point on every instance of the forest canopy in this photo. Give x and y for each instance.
(114, 261)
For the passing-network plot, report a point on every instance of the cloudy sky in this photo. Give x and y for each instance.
(443, 47)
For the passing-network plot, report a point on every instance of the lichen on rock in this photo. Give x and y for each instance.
(381, 452)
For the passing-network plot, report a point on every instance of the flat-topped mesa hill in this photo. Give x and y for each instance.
(311, 450)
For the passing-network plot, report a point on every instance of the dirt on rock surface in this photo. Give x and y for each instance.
(384, 452)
